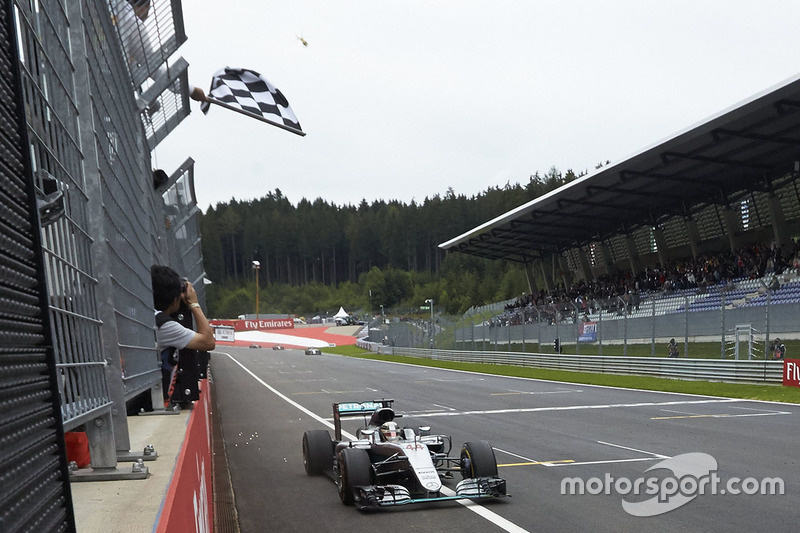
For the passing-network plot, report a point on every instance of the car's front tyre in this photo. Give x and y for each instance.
(478, 460)
(317, 451)
(355, 470)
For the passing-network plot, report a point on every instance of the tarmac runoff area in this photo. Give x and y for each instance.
(307, 337)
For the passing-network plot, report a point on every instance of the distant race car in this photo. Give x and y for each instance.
(277, 347)
(387, 465)
(312, 351)
(254, 345)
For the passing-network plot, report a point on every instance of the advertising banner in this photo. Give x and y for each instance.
(791, 373)
(251, 325)
(587, 332)
(224, 333)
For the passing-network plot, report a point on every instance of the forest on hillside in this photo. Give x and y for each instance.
(315, 255)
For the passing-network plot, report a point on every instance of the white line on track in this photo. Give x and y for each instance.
(657, 455)
(766, 411)
(603, 462)
(720, 415)
(518, 456)
(653, 457)
(518, 392)
(476, 508)
(579, 407)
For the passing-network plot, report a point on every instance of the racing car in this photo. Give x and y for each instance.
(313, 351)
(390, 465)
(277, 347)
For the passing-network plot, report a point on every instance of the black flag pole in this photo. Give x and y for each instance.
(197, 94)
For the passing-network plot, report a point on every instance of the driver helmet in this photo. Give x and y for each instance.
(389, 432)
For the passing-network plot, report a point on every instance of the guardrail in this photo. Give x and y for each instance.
(750, 371)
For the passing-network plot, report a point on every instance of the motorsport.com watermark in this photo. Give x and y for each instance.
(693, 474)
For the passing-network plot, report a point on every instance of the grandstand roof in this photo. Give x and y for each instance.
(752, 146)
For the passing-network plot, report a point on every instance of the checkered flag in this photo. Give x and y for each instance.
(248, 92)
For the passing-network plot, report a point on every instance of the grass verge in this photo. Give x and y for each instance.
(775, 393)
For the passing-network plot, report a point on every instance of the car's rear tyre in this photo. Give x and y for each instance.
(317, 452)
(355, 470)
(478, 460)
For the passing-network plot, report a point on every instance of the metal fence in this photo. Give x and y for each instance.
(34, 482)
(717, 315)
(98, 94)
(765, 371)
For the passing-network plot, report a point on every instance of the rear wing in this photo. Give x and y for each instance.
(353, 410)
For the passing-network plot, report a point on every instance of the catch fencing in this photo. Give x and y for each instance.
(743, 316)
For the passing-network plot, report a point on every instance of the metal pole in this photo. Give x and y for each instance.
(472, 324)
(686, 326)
(653, 333)
(555, 319)
(539, 326)
(599, 328)
(577, 329)
(624, 326)
(433, 329)
(766, 338)
(722, 315)
(256, 269)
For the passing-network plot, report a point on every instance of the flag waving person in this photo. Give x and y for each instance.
(249, 93)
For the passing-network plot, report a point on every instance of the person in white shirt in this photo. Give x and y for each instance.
(169, 291)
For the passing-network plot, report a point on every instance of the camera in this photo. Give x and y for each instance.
(184, 285)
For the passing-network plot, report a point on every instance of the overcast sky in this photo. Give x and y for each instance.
(404, 99)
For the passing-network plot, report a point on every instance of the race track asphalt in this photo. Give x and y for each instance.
(542, 433)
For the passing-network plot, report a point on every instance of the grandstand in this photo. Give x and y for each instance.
(720, 187)
(723, 184)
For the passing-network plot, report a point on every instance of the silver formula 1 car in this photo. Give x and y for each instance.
(391, 465)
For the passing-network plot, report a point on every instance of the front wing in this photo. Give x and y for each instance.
(374, 496)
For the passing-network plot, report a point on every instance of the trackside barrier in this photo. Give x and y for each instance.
(188, 505)
(764, 371)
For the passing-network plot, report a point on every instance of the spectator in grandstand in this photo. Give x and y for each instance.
(673, 348)
(620, 290)
(778, 349)
(774, 284)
